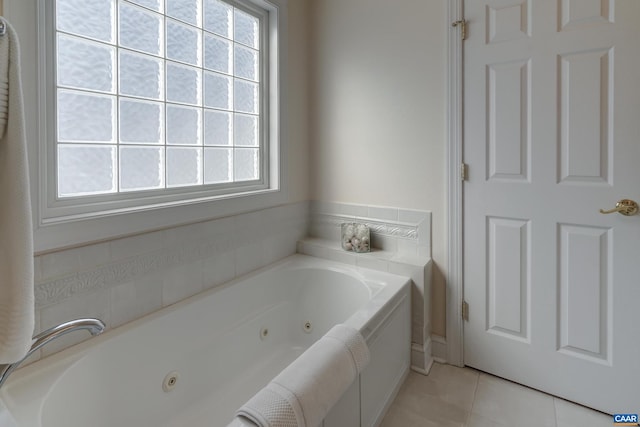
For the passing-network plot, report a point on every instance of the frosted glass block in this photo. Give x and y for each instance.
(141, 168)
(218, 165)
(245, 96)
(141, 75)
(183, 166)
(246, 164)
(157, 5)
(246, 130)
(183, 43)
(85, 65)
(246, 29)
(86, 169)
(141, 29)
(184, 125)
(85, 117)
(218, 18)
(183, 84)
(141, 121)
(217, 54)
(89, 18)
(184, 10)
(217, 91)
(218, 128)
(246, 62)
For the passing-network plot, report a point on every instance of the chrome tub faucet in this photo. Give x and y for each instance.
(94, 326)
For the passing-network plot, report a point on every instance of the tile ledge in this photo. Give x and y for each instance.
(376, 254)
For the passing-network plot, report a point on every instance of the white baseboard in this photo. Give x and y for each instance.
(423, 371)
(421, 359)
(439, 348)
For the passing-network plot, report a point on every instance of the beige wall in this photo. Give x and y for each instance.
(378, 100)
(298, 102)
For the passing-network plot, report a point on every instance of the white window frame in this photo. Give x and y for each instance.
(60, 223)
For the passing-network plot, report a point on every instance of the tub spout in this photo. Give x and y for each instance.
(94, 326)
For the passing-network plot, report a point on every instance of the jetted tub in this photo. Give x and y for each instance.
(221, 347)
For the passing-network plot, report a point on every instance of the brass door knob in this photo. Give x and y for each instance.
(624, 207)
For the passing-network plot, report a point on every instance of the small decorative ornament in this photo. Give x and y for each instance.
(356, 237)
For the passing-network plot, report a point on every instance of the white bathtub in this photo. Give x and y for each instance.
(224, 345)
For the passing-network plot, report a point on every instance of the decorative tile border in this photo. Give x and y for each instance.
(118, 272)
(55, 290)
(406, 232)
(383, 228)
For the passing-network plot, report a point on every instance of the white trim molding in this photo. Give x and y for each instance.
(385, 228)
(455, 332)
(421, 357)
(439, 348)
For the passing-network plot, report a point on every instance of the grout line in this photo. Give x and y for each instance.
(475, 395)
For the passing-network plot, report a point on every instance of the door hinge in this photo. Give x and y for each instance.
(465, 311)
(464, 171)
(462, 23)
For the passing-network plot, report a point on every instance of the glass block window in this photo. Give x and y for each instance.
(157, 94)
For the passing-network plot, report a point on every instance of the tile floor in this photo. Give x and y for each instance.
(463, 397)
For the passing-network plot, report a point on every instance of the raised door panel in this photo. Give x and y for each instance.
(508, 120)
(585, 131)
(508, 21)
(585, 292)
(508, 277)
(577, 14)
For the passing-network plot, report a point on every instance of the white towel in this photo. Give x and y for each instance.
(16, 241)
(304, 392)
(236, 422)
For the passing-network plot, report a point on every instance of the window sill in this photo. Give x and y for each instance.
(69, 232)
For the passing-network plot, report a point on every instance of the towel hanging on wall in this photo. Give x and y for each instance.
(16, 234)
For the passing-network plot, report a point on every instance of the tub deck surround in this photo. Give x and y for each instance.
(401, 243)
(417, 267)
(222, 346)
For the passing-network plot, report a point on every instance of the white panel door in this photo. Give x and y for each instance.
(551, 135)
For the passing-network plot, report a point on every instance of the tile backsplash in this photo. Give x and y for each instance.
(125, 279)
(403, 231)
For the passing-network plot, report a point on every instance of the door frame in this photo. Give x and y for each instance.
(455, 277)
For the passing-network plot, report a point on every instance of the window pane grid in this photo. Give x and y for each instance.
(172, 111)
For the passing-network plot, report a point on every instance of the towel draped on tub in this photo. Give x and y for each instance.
(304, 392)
